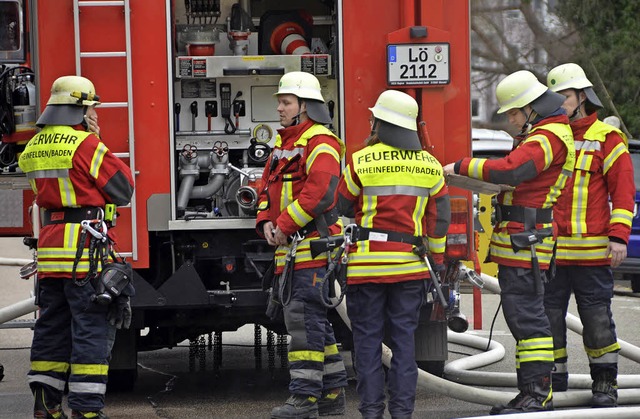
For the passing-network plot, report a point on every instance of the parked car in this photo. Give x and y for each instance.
(630, 267)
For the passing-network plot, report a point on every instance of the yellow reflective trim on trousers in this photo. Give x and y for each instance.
(67, 192)
(353, 188)
(560, 353)
(596, 353)
(615, 154)
(331, 350)
(89, 369)
(96, 160)
(533, 356)
(322, 148)
(306, 356)
(535, 343)
(475, 168)
(51, 366)
(622, 216)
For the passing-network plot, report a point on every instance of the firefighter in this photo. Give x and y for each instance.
(397, 194)
(296, 207)
(594, 216)
(74, 176)
(522, 242)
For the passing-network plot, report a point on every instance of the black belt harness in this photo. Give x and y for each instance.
(69, 215)
(377, 234)
(530, 236)
(517, 213)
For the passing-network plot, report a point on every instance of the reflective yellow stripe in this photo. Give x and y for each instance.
(560, 353)
(331, 350)
(50, 366)
(609, 160)
(386, 270)
(89, 369)
(67, 192)
(546, 148)
(96, 160)
(298, 215)
(369, 211)
(322, 148)
(353, 188)
(306, 356)
(286, 196)
(437, 245)
(621, 216)
(596, 353)
(418, 213)
(579, 205)
(535, 343)
(577, 241)
(475, 168)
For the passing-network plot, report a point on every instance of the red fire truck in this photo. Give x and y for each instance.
(187, 91)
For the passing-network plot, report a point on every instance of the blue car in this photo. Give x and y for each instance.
(630, 267)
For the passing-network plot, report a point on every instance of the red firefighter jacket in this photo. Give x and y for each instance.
(71, 168)
(538, 168)
(300, 184)
(401, 191)
(597, 203)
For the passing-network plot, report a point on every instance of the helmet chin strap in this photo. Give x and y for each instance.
(526, 127)
(296, 117)
(577, 112)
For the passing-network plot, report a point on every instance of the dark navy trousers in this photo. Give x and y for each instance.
(369, 307)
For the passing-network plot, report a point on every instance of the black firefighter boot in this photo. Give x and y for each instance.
(332, 403)
(47, 403)
(605, 390)
(298, 406)
(534, 397)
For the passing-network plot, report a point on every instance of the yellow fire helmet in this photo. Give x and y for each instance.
(396, 113)
(307, 88)
(518, 90)
(572, 76)
(69, 97)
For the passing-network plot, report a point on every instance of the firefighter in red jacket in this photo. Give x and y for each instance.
(397, 194)
(296, 207)
(594, 216)
(74, 176)
(522, 241)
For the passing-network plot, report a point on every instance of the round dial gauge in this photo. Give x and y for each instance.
(262, 133)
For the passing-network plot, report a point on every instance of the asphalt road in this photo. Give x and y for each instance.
(166, 388)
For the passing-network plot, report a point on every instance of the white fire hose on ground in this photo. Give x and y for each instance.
(496, 352)
(18, 309)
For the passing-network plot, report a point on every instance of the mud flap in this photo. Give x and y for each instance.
(184, 288)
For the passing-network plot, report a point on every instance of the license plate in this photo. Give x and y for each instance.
(417, 64)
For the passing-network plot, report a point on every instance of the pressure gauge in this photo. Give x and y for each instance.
(262, 133)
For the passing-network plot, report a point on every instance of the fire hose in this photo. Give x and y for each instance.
(496, 352)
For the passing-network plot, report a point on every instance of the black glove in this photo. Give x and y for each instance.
(440, 270)
(119, 314)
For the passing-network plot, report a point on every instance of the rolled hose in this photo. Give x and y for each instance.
(482, 396)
